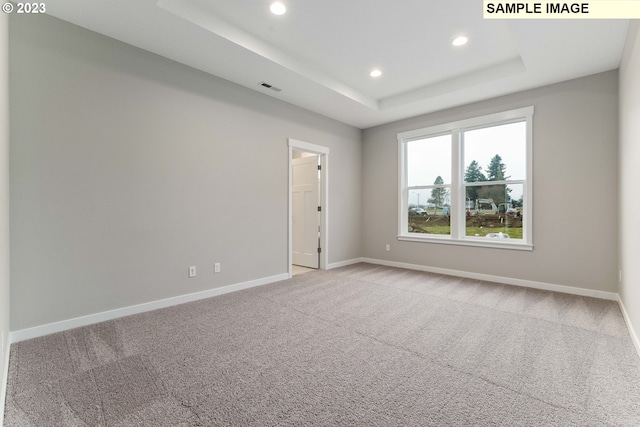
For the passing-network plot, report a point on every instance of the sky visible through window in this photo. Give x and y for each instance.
(431, 157)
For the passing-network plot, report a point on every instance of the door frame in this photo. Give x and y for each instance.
(323, 152)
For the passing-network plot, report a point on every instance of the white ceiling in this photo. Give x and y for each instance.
(320, 52)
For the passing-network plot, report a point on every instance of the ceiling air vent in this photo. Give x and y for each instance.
(268, 86)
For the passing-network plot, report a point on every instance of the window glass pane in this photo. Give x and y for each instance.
(496, 153)
(494, 211)
(429, 161)
(429, 211)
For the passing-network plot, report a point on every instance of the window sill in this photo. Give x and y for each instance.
(477, 242)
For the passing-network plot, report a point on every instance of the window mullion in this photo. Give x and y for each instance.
(455, 213)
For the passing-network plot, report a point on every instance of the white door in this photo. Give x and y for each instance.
(305, 196)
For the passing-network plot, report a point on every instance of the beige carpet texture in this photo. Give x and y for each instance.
(362, 345)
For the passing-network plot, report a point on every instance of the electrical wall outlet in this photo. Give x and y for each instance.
(387, 248)
(216, 267)
(192, 271)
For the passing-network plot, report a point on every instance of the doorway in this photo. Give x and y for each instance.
(308, 207)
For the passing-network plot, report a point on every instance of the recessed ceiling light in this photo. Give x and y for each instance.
(278, 8)
(459, 41)
(375, 73)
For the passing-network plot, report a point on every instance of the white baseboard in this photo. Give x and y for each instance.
(344, 263)
(499, 279)
(5, 377)
(38, 331)
(632, 332)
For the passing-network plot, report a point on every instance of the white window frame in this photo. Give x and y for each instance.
(457, 212)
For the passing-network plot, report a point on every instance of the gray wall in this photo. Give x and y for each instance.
(126, 168)
(630, 175)
(4, 200)
(574, 183)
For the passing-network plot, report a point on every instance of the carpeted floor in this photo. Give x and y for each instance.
(362, 345)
